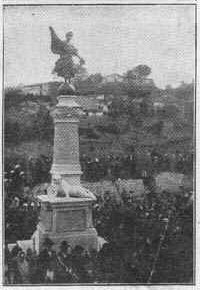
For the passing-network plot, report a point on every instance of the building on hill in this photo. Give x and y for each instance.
(185, 107)
(158, 106)
(161, 100)
(113, 78)
(144, 82)
(188, 109)
(89, 105)
(41, 89)
(93, 105)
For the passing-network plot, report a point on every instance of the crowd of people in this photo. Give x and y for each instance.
(21, 217)
(27, 172)
(132, 165)
(132, 227)
(135, 228)
(20, 208)
(96, 168)
(66, 266)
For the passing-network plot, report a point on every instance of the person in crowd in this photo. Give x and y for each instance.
(132, 164)
(131, 269)
(31, 258)
(79, 261)
(89, 266)
(47, 262)
(12, 266)
(23, 268)
(65, 272)
(107, 257)
(166, 162)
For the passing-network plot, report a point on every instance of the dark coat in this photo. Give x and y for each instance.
(65, 269)
(47, 260)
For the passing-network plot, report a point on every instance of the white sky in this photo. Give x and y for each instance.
(111, 39)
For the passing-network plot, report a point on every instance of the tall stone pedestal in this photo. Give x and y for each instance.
(66, 210)
(66, 140)
(65, 219)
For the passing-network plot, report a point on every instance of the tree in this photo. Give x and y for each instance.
(12, 132)
(139, 72)
(168, 88)
(43, 124)
(112, 88)
(171, 111)
(118, 107)
(130, 75)
(88, 85)
(136, 83)
(13, 97)
(142, 70)
(96, 78)
(184, 92)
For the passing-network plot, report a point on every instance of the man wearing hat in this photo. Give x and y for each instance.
(47, 261)
(65, 272)
(79, 260)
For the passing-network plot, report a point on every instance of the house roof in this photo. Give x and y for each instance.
(135, 186)
(172, 182)
(86, 103)
(41, 84)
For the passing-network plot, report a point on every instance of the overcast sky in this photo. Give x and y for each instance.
(111, 39)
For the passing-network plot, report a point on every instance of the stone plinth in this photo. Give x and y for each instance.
(68, 219)
(66, 210)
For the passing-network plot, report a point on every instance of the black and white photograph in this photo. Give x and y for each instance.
(99, 152)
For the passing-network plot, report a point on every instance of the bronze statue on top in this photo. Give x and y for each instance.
(65, 66)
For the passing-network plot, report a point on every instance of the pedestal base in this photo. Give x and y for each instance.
(65, 219)
(87, 239)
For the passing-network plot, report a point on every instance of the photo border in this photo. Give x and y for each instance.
(195, 139)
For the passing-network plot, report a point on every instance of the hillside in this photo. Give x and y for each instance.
(126, 128)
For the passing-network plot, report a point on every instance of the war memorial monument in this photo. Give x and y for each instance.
(66, 209)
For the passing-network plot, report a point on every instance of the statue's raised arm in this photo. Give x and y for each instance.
(57, 45)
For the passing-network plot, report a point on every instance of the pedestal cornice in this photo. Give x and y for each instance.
(65, 201)
(66, 169)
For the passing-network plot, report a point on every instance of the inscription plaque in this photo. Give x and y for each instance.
(72, 220)
(46, 219)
